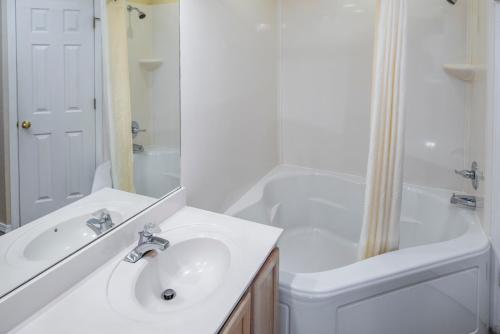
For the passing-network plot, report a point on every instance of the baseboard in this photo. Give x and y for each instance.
(5, 228)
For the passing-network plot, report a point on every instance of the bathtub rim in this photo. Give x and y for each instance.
(385, 267)
(255, 192)
(324, 284)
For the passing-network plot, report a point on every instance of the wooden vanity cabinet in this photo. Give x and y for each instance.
(240, 320)
(257, 311)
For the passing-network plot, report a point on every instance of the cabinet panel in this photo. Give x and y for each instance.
(265, 293)
(239, 321)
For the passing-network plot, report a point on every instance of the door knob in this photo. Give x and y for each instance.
(26, 124)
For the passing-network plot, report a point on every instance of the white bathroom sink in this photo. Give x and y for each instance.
(195, 266)
(63, 238)
(50, 243)
(60, 239)
(193, 269)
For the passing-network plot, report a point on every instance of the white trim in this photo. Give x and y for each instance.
(10, 92)
(98, 85)
(494, 193)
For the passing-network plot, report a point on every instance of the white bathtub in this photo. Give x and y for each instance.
(437, 283)
(156, 172)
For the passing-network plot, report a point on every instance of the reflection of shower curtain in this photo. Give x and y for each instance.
(117, 87)
(382, 209)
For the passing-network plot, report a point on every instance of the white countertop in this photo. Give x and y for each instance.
(86, 307)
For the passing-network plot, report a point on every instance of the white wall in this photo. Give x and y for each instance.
(326, 80)
(229, 99)
(3, 110)
(165, 127)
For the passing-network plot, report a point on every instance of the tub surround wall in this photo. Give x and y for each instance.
(436, 116)
(155, 94)
(325, 63)
(140, 46)
(165, 117)
(326, 59)
(326, 79)
(229, 67)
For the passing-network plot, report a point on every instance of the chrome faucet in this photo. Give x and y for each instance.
(466, 201)
(100, 222)
(147, 243)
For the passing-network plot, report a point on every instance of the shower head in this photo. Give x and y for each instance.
(453, 2)
(141, 14)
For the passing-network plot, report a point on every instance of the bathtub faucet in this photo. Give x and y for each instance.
(466, 201)
(472, 174)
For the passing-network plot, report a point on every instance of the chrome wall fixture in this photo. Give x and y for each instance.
(472, 174)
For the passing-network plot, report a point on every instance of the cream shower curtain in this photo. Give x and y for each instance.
(117, 88)
(382, 209)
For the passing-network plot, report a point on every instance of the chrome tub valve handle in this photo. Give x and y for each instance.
(472, 174)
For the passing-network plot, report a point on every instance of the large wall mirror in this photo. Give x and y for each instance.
(90, 123)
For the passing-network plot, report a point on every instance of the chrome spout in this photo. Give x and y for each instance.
(147, 242)
(466, 201)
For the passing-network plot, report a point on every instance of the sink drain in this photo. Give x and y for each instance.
(168, 294)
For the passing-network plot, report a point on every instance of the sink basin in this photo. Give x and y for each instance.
(195, 266)
(193, 269)
(61, 239)
(57, 241)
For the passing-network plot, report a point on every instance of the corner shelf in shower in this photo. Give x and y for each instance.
(150, 64)
(464, 72)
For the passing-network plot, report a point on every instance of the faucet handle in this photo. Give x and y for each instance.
(473, 174)
(468, 174)
(150, 229)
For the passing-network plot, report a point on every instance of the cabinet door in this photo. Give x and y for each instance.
(239, 321)
(265, 293)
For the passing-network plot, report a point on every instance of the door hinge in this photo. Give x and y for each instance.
(95, 21)
(95, 103)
